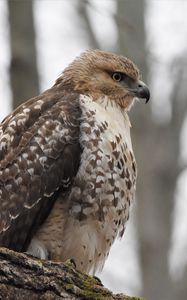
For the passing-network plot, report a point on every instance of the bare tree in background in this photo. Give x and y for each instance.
(82, 10)
(23, 69)
(179, 113)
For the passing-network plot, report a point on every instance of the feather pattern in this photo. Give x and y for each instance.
(97, 207)
(39, 157)
(67, 168)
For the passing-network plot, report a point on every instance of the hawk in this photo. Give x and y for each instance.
(67, 168)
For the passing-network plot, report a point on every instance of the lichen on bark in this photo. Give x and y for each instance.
(25, 277)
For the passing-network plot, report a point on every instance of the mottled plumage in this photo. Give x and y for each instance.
(67, 168)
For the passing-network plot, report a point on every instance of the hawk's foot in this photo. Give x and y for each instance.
(71, 262)
(98, 279)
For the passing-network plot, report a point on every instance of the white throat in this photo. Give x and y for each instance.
(108, 110)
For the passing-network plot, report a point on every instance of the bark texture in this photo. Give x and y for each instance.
(24, 277)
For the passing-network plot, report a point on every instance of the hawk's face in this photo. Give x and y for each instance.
(99, 74)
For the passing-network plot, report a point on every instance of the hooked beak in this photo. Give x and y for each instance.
(141, 91)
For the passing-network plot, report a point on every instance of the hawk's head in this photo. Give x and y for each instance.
(98, 73)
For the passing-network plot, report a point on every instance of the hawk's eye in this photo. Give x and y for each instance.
(117, 76)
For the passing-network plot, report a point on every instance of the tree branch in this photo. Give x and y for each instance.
(24, 277)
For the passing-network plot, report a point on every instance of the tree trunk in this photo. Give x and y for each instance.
(85, 23)
(23, 68)
(25, 277)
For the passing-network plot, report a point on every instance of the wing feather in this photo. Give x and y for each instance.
(39, 157)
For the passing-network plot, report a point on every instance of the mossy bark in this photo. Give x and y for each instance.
(24, 277)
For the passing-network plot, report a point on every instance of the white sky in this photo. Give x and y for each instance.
(57, 45)
(5, 93)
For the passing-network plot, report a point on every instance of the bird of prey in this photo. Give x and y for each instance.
(67, 168)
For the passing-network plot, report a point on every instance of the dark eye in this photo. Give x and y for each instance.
(117, 76)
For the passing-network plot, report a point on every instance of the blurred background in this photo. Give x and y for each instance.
(39, 38)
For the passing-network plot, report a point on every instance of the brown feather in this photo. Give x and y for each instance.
(39, 149)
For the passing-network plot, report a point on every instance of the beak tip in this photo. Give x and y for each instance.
(146, 94)
(147, 100)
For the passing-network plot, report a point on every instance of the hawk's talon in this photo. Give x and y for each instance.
(98, 280)
(71, 262)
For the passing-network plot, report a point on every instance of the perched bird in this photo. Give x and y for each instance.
(67, 168)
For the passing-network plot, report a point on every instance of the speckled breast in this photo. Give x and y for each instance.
(105, 184)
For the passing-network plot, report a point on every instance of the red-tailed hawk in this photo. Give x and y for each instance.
(67, 168)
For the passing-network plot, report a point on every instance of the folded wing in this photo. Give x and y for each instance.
(39, 157)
